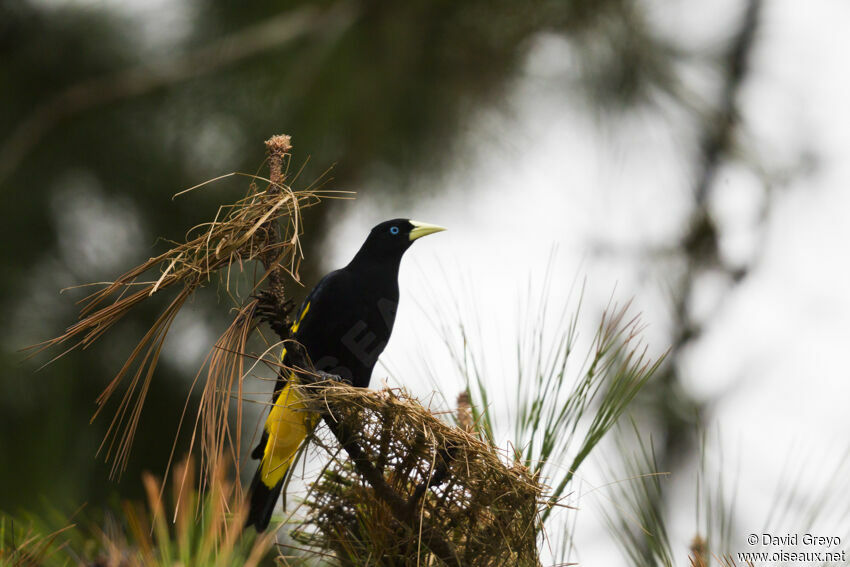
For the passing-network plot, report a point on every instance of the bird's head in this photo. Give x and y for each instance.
(392, 238)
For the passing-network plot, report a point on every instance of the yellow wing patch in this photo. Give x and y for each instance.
(296, 324)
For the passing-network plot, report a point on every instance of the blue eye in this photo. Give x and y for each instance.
(393, 230)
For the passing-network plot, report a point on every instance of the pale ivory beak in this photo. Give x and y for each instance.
(421, 229)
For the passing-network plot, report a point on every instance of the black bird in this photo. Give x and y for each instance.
(342, 327)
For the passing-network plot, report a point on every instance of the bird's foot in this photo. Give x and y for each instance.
(322, 376)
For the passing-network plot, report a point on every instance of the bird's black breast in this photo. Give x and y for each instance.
(348, 322)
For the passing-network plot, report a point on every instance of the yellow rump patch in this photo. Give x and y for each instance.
(287, 425)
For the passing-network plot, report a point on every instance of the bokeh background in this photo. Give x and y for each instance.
(689, 156)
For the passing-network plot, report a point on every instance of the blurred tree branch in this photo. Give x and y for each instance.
(699, 249)
(699, 244)
(720, 126)
(147, 77)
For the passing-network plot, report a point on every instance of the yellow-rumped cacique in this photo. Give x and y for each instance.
(341, 329)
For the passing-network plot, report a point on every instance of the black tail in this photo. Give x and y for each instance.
(262, 500)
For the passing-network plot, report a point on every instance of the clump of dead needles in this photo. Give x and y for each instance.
(449, 485)
(262, 227)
